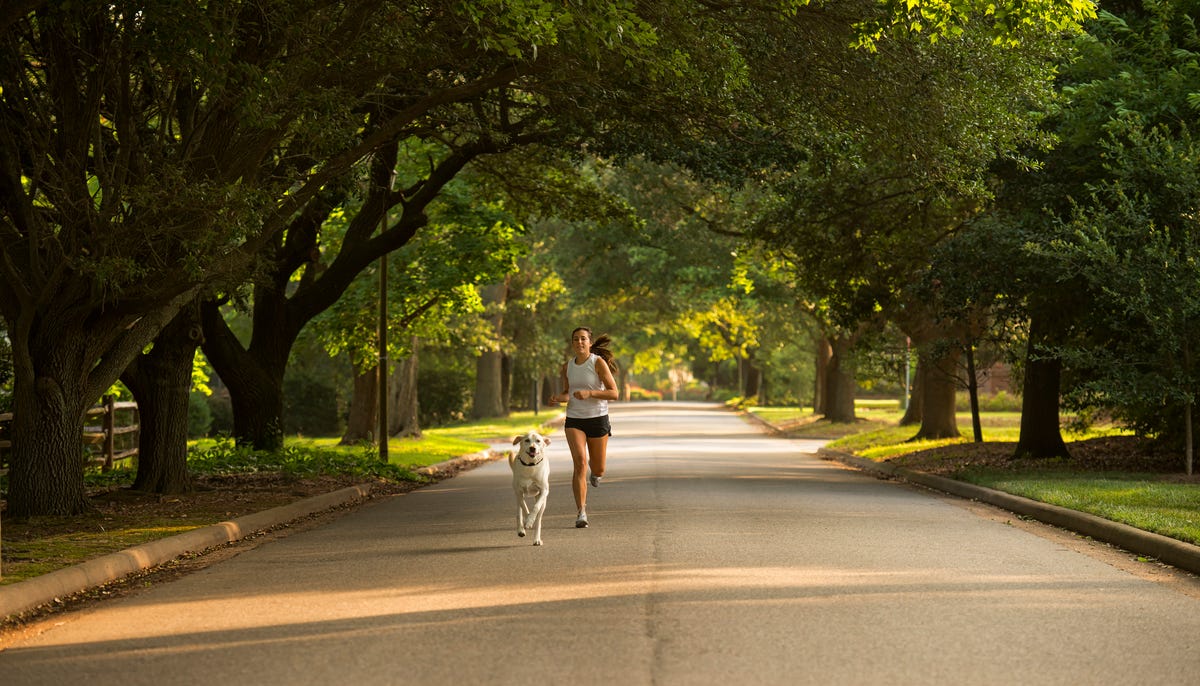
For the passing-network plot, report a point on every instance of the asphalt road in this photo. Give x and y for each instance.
(717, 555)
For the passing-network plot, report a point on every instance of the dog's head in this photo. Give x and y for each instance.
(531, 447)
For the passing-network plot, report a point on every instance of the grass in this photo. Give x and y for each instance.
(1143, 501)
(26, 559)
(1149, 501)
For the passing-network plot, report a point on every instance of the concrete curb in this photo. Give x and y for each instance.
(461, 461)
(27, 595)
(1165, 549)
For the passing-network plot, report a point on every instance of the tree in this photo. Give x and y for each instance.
(1127, 94)
(145, 155)
(1137, 247)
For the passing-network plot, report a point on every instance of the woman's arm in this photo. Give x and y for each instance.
(609, 392)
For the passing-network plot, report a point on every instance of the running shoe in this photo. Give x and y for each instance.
(581, 521)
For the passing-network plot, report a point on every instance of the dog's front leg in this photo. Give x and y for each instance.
(522, 514)
(535, 516)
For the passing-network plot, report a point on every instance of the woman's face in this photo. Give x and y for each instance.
(581, 342)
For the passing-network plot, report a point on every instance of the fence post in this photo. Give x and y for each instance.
(110, 414)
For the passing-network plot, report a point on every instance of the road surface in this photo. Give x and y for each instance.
(717, 554)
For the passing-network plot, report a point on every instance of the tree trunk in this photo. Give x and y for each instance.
(823, 355)
(914, 413)
(1040, 435)
(253, 375)
(973, 392)
(361, 424)
(161, 381)
(839, 382)
(939, 387)
(488, 373)
(489, 370)
(752, 380)
(46, 463)
(257, 400)
(506, 376)
(405, 403)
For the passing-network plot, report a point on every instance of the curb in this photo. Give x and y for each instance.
(1174, 552)
(461, 461)
(47, 588)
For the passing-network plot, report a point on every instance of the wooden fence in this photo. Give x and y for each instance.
(106, 443)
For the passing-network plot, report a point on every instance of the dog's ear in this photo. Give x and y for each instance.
(546, 440)
(516, 440)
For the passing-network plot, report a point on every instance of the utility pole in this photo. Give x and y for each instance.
(382, 370)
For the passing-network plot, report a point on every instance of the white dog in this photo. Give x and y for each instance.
(531, 477)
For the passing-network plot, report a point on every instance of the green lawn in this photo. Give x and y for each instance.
(1144, 501)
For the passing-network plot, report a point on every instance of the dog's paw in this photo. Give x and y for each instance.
(521, 534)
(538, 542)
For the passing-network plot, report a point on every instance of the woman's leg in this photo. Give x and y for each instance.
(597, 454)
(578, 443)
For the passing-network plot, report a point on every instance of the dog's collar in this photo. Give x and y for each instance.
(528, 464)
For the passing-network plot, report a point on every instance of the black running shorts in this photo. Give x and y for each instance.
(592, 427)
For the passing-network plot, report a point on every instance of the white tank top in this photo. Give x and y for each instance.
(584, 377)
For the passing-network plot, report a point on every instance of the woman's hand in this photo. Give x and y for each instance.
(583, 394)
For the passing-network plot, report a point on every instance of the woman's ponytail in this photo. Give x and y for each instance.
(600, 347)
